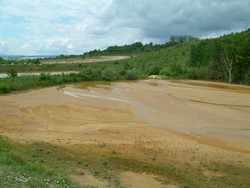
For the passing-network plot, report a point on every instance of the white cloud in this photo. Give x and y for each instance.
(3, 47)
(75, 26)
(25, 46)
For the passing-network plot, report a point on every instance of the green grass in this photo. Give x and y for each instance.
(41, 164)
(190, 176)
(21, 167)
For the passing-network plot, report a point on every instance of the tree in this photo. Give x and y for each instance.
(228, 61)
(1, 60)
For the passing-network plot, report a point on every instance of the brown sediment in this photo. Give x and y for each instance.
(140, 119)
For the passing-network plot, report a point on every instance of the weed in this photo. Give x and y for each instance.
(18, 171)
(101, 145)
(105, 162)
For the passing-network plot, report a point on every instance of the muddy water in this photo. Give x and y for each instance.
(178, 106)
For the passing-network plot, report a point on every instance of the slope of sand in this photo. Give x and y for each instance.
(147, 119)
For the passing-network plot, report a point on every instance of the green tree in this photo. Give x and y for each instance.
(1, 60)
(131, 74)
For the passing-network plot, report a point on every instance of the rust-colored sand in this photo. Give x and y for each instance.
(149, 118)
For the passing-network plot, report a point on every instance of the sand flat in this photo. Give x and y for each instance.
(156, 115)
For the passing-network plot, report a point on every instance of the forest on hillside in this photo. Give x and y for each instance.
(226, 58)
(138, 47)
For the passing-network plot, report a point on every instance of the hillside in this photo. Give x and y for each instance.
(170, 62)
(223, 59)
(226, 58)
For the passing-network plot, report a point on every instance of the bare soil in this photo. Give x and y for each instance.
(151, 120)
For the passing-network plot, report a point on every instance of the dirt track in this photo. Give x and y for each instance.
(163, 119)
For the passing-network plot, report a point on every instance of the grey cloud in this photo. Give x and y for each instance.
(97, 24)
(161, 18)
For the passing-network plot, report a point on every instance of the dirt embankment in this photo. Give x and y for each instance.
(185, 121)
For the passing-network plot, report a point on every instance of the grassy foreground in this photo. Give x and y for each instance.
(20, 166)
(45, 165)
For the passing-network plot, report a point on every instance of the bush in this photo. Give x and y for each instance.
(173, 71)
(4, 89)
(44, 76)
(109, 74)
(12, 73)
(165, 71)
(2, 61)
(247, 78)
(176, 70)
(131, 74)
(153, 69)
(197, 73)
(87, 74)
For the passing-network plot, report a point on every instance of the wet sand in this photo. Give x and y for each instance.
(136, 118)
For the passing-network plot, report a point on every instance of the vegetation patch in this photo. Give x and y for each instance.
(21, 167)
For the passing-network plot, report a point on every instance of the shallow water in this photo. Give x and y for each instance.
(175, 106)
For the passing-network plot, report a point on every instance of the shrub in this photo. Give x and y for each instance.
(153, 69)
(197, 73)
(12, 73)
(4, 89)
(109, 74)
(44, 76)
(247, 78)
(131, 74)
(87, 74)
(175, 69)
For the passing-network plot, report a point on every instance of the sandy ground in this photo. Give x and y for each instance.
(148, 119)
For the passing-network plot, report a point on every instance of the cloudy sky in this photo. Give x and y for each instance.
(51, 27)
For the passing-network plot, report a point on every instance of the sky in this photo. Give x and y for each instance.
(53, 27)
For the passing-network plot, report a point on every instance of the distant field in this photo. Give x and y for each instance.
(83, 60)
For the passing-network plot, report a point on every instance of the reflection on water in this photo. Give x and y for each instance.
(85, 85)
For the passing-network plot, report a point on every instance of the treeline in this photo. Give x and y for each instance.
(138, 47)
(226, 58)
(22, 61)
